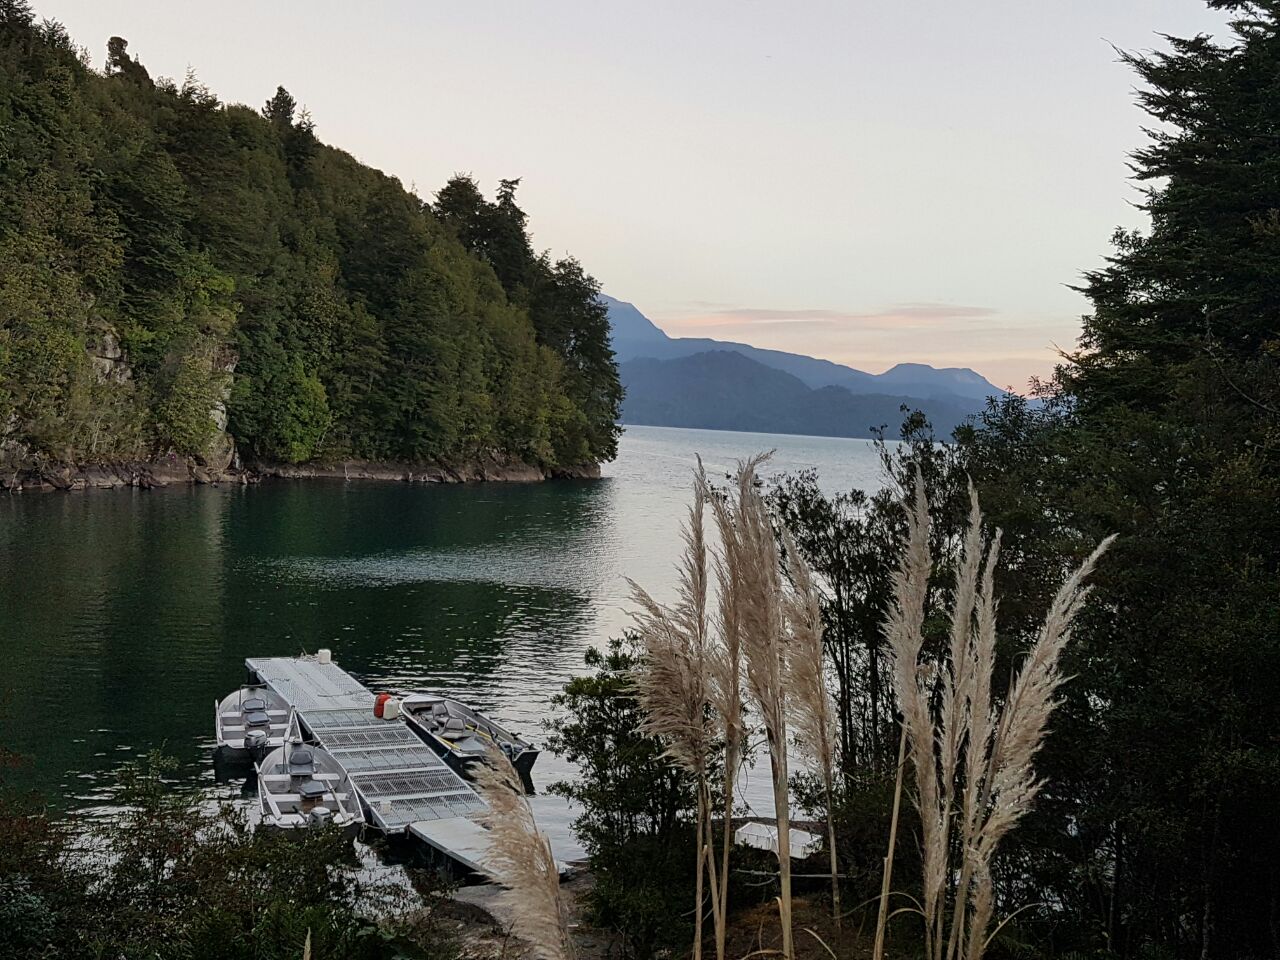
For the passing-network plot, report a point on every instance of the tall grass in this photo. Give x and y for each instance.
(674, 685)
(696, 666)
(522, 861)
(726, 698)
(752, 572)
(972, 761)
(812, 710)
(766, 638)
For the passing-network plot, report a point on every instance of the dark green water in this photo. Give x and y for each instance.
(125, 614)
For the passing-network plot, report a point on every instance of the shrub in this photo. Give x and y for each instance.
(169, 878)
(637, 809)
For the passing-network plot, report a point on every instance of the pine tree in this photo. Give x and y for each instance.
(1164, 426)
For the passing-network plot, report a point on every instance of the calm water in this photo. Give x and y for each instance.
(125, 614)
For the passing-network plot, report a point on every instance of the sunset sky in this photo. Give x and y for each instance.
(871, 183)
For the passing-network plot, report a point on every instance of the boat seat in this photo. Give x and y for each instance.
(439, 710)
(285, 778)
(253, 704)
(312, 790)
(257, 718)
(454, 728)
(301, 761)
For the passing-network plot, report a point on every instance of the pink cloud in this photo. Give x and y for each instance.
(897, 317)
(1006, 348)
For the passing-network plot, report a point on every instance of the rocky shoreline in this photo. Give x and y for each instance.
(45, 477)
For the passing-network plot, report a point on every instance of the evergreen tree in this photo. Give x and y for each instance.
(1165, 427)
(220, 254)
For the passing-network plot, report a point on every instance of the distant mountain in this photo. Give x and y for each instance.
(922, 380)
(630, 326)
(636, 336)
(721, 385)
(725, 390)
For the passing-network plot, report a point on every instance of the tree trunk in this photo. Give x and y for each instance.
(831, 844)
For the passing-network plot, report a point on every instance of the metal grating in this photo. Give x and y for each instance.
(409, 809)
(370, 737)
(381, 761)
(399, 778)
(407, 785)
(319, 720)
(309, 684)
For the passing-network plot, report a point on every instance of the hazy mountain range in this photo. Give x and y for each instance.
(722, 385)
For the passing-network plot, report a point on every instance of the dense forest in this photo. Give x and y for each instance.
(178, 274)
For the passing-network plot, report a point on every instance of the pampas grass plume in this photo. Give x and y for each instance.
(521, 859)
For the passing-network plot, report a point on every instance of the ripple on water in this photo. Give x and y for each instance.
(126, 614)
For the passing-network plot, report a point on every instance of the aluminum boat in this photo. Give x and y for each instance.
(302, 785)
(250, 723)
(461, 735)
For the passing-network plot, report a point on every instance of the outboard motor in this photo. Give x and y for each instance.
(256, 742)
(319, 817)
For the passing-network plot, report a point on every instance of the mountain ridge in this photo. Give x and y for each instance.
(725, 390)
(635, 336)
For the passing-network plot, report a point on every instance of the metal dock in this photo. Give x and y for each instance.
(403, 786)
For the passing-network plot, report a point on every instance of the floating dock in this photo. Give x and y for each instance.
(403, 786)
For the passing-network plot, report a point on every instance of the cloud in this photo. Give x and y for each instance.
(1005, 346)
(907, 315)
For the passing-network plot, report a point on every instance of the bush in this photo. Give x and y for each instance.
(171, 879)
(637, 819)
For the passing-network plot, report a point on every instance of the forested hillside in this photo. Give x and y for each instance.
(170, 265)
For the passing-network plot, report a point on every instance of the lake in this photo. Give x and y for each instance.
(124, 614)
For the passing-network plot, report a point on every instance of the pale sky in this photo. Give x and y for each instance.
(867, 182)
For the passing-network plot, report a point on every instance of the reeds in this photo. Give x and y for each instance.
(674, 686)
(812, 710)
(752, 571)
(763, 635)
(973, 763)
(522, 861)
(727, 708)
(691, 680)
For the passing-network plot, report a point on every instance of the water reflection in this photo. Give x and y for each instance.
(125, 614)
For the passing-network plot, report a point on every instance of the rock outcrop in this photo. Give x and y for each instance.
(42, 476)
(491, 468)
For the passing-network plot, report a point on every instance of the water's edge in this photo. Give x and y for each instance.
(147, 474)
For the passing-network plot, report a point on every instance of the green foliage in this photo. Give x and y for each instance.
(187, 394)
(177, 881)
(206, 238)
(1163, 427)
(1155, 834)
(637, 808)
(852, 541)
